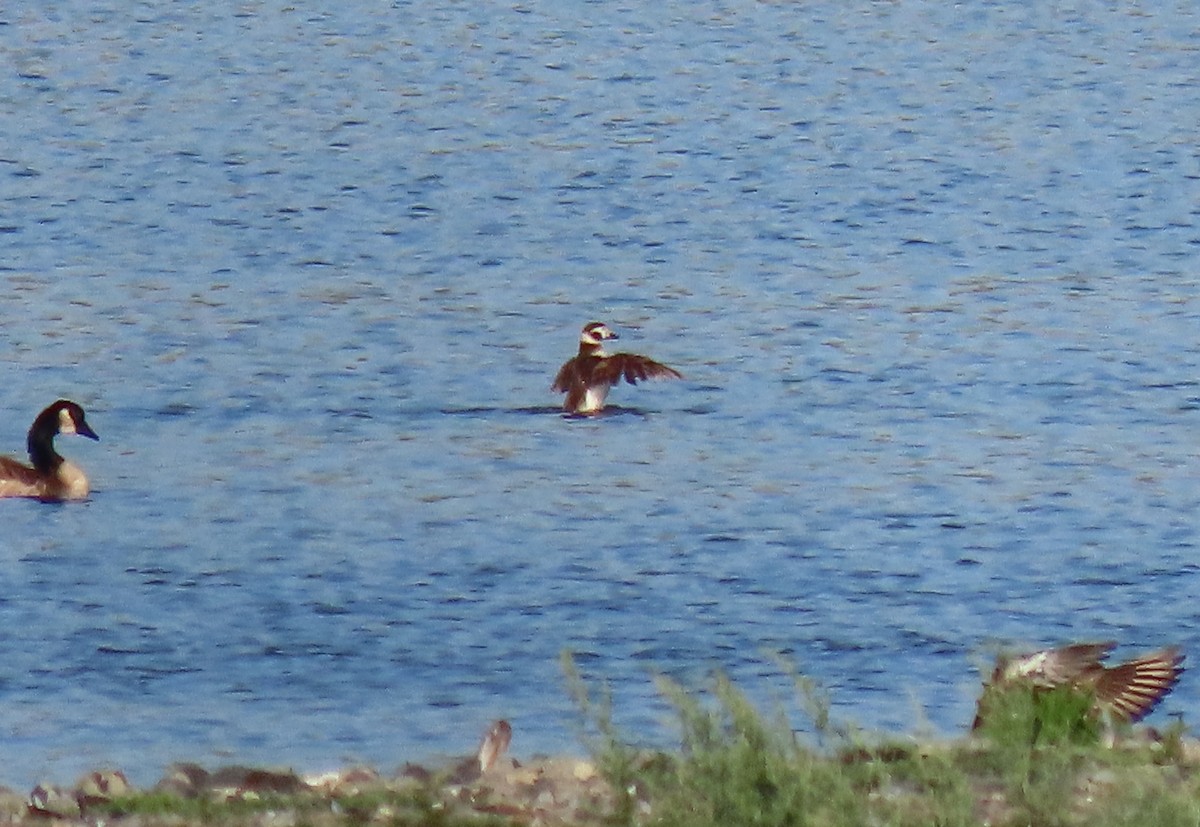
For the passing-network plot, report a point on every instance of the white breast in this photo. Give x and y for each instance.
(593, 399)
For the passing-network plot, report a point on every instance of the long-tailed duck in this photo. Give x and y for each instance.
(587, 378)
(50, 477)
(1127, 692)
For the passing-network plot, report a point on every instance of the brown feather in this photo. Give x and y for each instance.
(633, 368)
(494, 744)
(18, 479)
(1134, 689)
(1128, 691)
(1054, 667)
(594, 371)
(49, 477)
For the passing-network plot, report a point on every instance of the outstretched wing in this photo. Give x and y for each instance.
(567, 376)
(1128, 691)
(1132, 690)
(1054, 667)
(634, 368)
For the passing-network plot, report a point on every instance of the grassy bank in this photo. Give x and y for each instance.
(1038, 760)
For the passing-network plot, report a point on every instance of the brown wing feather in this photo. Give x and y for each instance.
(1132, 690)
(1046, 669)
(1129, 690)
(1055, 667)
(634, 368)
(18, 479)
(572, 379)
(567, 376)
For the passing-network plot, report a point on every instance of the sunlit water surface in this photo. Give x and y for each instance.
(928, 268)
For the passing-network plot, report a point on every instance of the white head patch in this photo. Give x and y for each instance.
(595, 334)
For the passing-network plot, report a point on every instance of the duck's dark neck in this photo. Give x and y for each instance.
(41, 449)
(590, 349)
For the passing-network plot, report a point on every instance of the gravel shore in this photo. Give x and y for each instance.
(550, 791)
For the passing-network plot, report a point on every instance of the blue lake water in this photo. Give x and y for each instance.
(929, 270)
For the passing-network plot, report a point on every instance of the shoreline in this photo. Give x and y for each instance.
(561, 789)
(574, 791)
